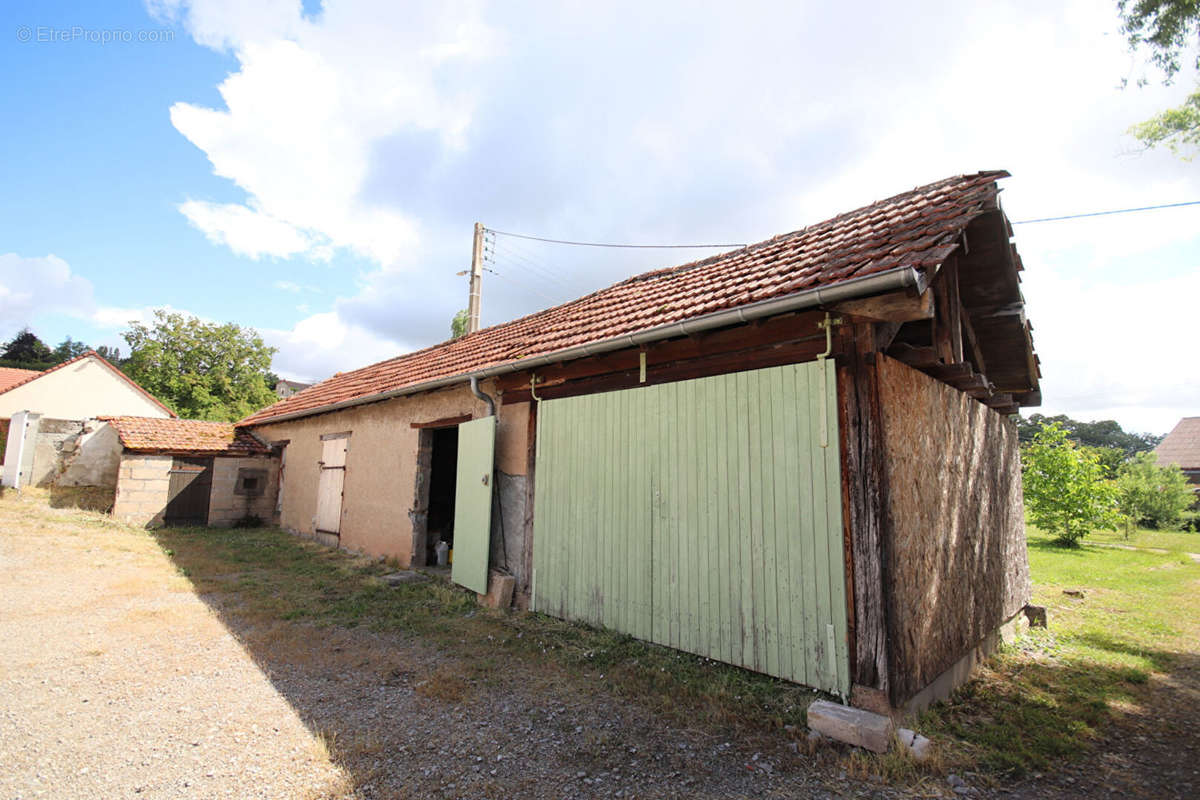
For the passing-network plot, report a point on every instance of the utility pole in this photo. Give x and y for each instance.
(476, 280)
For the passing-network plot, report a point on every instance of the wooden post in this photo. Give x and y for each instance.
(476, 280)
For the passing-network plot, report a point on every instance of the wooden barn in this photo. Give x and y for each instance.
(795, 457)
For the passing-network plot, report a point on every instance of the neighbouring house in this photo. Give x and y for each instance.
(285, 388)
(796, 457)
(179, 471)
(1182, 448)
(42, 411)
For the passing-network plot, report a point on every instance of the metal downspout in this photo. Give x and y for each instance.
(475, 390)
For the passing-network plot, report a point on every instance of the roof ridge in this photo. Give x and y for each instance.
(823, 253)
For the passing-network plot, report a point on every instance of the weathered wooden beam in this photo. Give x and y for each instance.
(864, 488)
(972, 341)
(953, 309)
(892, 307)
(776, 330)
(445, 422)
(885, 332)
(914, 356)
(999, 399)
(686, 369)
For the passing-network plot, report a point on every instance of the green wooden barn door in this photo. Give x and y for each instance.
(704, 515)
(473, 503)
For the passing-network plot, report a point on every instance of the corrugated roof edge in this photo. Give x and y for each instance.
(901, 278)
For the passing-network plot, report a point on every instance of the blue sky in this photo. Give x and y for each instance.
(314, 171)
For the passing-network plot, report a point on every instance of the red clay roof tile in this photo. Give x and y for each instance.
(184, 436)
(10, 377)
(915, 229)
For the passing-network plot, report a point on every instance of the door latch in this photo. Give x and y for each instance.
(485, 479)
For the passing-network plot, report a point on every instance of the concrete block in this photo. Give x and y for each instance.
(851, 725)
(500, 591)
(917, 746)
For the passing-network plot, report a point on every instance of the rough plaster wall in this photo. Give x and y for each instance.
(956, 563)
(55, 441)
(225, 507)
(381, 464)
(95, 458)
(508, 526)
(143, 486)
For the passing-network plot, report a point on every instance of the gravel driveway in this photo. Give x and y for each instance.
(117, 680)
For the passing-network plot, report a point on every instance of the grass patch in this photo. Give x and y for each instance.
(1052, 693)
(265, 575)
(1174, 541)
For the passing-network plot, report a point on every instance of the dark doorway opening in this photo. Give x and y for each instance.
(443, 472)
(189, 490)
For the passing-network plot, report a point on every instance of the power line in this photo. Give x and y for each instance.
(612, 244)
(1107, 213)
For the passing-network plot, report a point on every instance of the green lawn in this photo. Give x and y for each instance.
(1050, 694)
(1175, 541)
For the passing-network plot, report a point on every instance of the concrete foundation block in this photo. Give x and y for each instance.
(851, 725)
(917, 746)
(500, 591)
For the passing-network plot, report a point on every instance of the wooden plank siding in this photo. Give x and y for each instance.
(703, 515)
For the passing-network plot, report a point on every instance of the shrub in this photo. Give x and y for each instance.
(1153, 496)
(1065, 492)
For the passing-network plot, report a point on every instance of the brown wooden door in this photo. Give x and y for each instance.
(189, 492)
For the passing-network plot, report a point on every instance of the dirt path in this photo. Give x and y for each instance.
(117, 681)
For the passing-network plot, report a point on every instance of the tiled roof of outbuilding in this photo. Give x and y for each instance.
(1182, 445)
(184, 436)
(918, 228)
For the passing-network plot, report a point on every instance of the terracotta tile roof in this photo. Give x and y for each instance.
(184, 436)
(89, 354)
(10, 377)
(919, 229)
(1182, 445)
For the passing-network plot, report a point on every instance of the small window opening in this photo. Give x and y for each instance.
(250, 482)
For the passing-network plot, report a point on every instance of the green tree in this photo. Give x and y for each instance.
(110, 354)
(1153, 496)
(1106, 433)
(201, 370)
(26, 348)
(68, 349)
(458, 325)
(1167, 29)
(1065, 492)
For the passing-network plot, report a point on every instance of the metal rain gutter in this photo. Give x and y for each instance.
(880, 283)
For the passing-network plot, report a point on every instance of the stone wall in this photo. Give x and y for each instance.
(230, 502)
(143, 485)
(93, 458)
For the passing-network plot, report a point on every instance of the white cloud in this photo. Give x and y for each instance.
(245, 231)
(382, 130)
(322, 344)
(293, 287)
(35, 285)
(307, 108)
